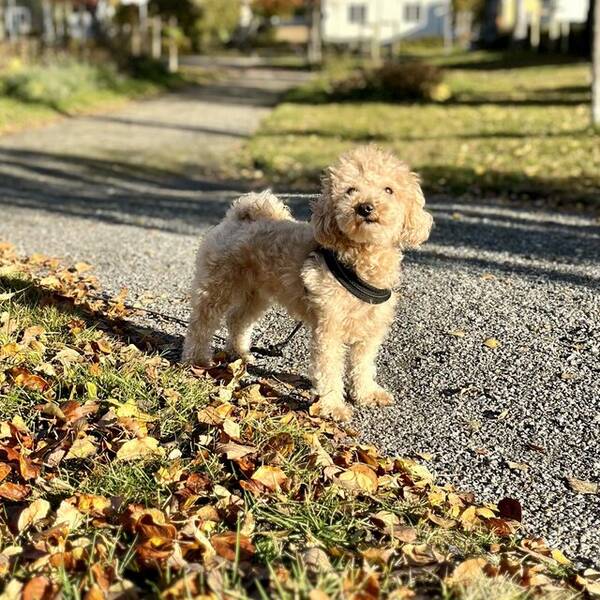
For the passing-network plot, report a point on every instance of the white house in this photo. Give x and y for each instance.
(347, 21)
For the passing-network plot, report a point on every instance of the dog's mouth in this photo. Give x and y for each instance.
(369, 220)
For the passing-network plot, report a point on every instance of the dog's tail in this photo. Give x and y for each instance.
(257, 207)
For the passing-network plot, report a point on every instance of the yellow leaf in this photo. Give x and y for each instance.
(560, 558)
(68, 514)
(359, 477)
(232, 429)
(492, 343)
(81, 448)
(486, 513)
(271, 477)
(131, 410)
(140, 448)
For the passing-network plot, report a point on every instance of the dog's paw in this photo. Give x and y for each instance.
(337, 411)
(376, 397)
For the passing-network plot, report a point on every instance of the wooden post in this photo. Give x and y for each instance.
(156, 38)
(376, 44)
(565, 29)
(173, 47)
(596, 67)
(448, 29)
(136, 40)
(315, 50)
(534, 31)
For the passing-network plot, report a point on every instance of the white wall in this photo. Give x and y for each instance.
(571, 11)
(389, 14)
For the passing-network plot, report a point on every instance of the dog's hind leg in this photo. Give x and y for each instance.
(240, 320)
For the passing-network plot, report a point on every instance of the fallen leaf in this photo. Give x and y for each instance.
(459, 333)
(23, 378)
(559, 557)
(581, 486)
(140, 448)
(515, 466)
(316, 560)
(491, 343)
(14, 491)
(509, 508)
(359, 477)
(230, 545)
(235, 451)
(83, 447)
(467, 572)
(33, 513)
(38, 588)
(273, 478)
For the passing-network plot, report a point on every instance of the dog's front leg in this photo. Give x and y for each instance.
(364, 389)
(328, 354)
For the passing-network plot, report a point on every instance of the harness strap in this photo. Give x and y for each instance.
(351, 281)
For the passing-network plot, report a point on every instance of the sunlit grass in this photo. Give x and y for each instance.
(522, 130)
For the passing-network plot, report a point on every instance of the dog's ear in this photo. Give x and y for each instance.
(323, 219)
(417, 221)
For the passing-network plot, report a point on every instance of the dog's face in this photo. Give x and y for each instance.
(369, 196)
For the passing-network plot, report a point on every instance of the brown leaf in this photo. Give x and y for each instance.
(38, 588)
(14, 491)
(582, 487)
(229, 545)
(24, 378)
(509, 508)
(467, 572)
(4, 471)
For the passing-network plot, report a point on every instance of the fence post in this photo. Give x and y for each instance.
(156, 38)
(173, 47)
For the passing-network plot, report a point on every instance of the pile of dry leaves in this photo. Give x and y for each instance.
(123, 475)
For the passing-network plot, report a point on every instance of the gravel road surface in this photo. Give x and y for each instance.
(516, 420)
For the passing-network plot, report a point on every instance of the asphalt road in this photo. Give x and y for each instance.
(516, 420)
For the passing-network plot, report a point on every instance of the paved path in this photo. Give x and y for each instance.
(516, 420)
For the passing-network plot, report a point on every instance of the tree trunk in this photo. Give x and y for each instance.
(596, 68)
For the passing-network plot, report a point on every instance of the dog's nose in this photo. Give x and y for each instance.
(364, 209)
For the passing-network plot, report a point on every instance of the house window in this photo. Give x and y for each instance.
(412, 12)
(357, 13)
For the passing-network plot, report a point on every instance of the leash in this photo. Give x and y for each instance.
(272, 350)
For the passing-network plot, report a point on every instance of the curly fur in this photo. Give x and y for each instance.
(259, 256)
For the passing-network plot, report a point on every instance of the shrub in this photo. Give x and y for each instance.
(54, 84)
(396, 82)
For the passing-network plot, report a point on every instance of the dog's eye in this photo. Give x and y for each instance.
(389, 190)
(350, 191)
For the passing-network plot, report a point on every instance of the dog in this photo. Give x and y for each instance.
(336, 273)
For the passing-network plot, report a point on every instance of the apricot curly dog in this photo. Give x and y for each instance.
(334, 273)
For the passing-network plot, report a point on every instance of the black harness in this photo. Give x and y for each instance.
(351, 281)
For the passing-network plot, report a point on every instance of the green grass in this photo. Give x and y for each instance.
(38, 92)
(513, 126)
(186, 519)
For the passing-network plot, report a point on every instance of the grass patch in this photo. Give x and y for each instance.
(511, 127)
(123, 474)
(33, 93)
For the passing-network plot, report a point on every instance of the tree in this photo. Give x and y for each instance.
(596, 67)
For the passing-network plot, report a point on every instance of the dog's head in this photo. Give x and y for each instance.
(370, 197)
